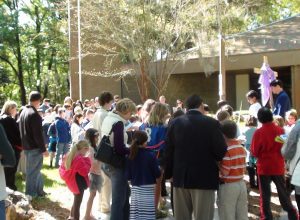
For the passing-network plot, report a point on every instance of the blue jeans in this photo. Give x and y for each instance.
(120, 194)
(34, 178)
(2, 210)
(61, 149)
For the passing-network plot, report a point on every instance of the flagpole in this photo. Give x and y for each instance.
(69, 32)
(79, 51)
(222, 71)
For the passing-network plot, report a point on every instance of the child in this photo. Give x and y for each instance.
(143, 172)
(270, 165)
(156, 129)
(279, 121)
(252, 97)
(92, 136)
(232, 194)
(251, 124)
(74, 171)
(52, 142)
(291, 118)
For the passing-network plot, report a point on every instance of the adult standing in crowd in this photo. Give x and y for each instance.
(10, 126)
(30, 125)
(115, 122)
(7, 158)
(291, 152)
(282, 102)
(194, 145)
(45, 105)
(162, 100)
(116, 99)
(105, 101)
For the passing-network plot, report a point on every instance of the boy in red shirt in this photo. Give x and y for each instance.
(270, 165)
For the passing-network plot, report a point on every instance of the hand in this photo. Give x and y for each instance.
(46, 154)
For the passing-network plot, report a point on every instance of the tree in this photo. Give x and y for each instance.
(35, 51)
(11, 36)
(153, 36)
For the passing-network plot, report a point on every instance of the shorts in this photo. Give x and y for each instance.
(52, 146)
(95, 182)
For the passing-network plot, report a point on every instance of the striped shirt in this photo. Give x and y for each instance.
(233, 165)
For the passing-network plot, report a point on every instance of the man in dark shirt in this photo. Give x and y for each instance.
(30, 125)
(194, 145)
(282, 103)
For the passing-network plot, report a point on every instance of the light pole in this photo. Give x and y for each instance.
(222, 69)
(79, 50)
(69, 33)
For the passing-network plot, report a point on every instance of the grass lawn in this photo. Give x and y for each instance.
(57, 204)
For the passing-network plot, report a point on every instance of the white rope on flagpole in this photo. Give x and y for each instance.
(79, 51)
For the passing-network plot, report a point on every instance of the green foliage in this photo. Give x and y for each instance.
(34, 51)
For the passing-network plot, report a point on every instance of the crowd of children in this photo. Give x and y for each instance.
(72, 132)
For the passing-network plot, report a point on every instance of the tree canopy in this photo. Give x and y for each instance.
(33, 51)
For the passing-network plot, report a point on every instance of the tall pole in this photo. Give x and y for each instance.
(79, 51)
(69, 33)
(222, 70)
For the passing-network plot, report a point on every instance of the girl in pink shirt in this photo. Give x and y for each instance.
(92, 136)
(74, 171)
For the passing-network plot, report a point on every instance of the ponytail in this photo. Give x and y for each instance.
(134, 149)
(139, 138)
(74, 149)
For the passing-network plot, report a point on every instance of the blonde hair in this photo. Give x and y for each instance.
(7, 107)
(125, 105)
(158, 114)
(74, 150)
(279, 120)
(293, 113)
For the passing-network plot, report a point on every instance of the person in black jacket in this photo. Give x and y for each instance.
(30, 125)
(7, 158)
(7, 119)
(194, 145)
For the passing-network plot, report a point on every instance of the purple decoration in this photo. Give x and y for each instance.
(267, 75)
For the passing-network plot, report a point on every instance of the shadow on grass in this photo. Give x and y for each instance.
(52, 208)
(50, 176)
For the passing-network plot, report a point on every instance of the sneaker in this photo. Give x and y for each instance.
(43, 194)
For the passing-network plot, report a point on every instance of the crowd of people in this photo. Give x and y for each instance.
(198, 152)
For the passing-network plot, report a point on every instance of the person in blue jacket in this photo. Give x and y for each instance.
(63, 135)
(282, 102)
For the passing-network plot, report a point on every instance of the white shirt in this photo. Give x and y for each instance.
(98, 118)
(253, 109)
(77, 132)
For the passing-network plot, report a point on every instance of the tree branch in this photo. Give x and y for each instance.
(9, 63)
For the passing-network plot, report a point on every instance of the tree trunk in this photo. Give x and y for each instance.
(38, 49)
(20, 64)
(143, 81)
